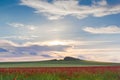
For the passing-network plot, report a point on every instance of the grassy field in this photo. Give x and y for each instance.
(56, 63)
(59, 70)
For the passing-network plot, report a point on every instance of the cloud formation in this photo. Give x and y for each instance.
(20, 25)
(31, 37)
(36, 31)
(103, 30)
(2, 50)
(6, 43)
(57, 9)
(35, 51)
(13, 49)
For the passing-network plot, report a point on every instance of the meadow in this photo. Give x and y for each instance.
(56, 63)
(61, 73)
(66, 69)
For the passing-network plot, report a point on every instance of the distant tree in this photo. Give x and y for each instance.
(70, 59)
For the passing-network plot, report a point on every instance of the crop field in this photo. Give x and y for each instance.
(61, 73)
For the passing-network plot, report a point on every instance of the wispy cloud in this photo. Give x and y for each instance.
(31, 37)
(60, 8)
(101, 57)
(103, 30)
(6, 43)
(24, 26)
(97, 54)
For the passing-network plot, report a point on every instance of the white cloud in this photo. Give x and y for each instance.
(6, 43)
(24, 26)
(16, 24)
(60, 8)
(101, 3)
(31, 37)
(37, 31)
(103, 30)
(65, 42)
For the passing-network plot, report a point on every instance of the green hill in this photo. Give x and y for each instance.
(66, 62)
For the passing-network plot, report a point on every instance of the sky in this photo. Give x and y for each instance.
(35, 30)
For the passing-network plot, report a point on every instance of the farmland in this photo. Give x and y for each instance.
(61, 73)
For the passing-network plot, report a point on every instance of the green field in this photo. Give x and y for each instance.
(57, 63)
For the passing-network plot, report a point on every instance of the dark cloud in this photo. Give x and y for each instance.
(33, 50)
(43, 48)
(3, 50)
(45, 55)
(36, 49)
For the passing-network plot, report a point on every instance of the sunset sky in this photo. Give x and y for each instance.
(33, 30)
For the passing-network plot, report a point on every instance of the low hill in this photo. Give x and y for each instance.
(70, 59)
(66, 62)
